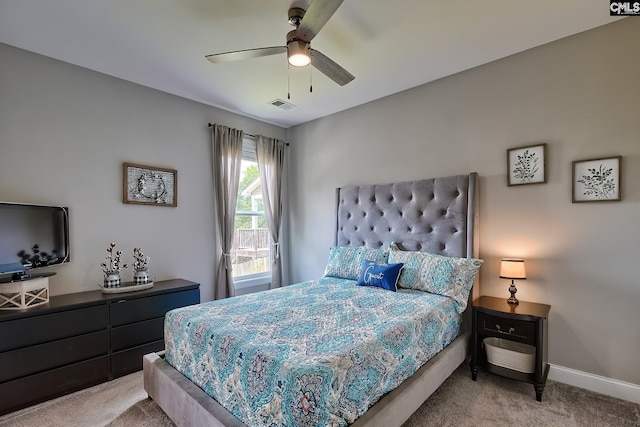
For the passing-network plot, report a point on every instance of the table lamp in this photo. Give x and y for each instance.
(512, 268)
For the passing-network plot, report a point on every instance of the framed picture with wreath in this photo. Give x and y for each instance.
(149, 185)
(596, 180)
(527, 165)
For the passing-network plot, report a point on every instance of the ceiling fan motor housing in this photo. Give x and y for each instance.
(295, 16)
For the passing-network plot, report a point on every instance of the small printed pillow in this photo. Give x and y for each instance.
(448, 276)
(383, 276)
(345, 262)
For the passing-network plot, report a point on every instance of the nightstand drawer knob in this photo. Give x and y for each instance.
(511, 330)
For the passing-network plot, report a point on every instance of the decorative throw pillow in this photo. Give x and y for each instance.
(383, 276)
(346, 261)
(448, 276)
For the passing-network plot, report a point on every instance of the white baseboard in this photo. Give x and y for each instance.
(609, 386)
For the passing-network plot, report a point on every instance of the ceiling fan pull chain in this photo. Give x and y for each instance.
(288, 81)
(310, 79)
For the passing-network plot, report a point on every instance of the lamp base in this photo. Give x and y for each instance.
(512, 289)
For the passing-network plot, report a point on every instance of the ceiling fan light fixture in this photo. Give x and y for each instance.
(298, 53)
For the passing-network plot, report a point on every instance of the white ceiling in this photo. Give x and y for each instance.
(388, 45)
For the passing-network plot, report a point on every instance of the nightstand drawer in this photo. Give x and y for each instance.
(506, 328)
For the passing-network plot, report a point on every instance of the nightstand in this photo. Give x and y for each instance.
(524, 323)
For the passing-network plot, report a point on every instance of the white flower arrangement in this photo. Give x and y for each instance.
(140, 262)
(113, 261)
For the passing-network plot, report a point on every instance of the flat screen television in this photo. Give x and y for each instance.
(31, 237)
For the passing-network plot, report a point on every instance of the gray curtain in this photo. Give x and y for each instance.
(270, 154)
(227, 157)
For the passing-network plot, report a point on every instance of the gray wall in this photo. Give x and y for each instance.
(581, 96)
(65, 132)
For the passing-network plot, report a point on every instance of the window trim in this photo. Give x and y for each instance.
(251, 280)
(256, 279)
(250, 213)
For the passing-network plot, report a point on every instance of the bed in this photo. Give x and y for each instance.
(432, 216)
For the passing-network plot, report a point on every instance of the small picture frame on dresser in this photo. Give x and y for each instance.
(596, 180)
(527, 165)
(149, 185)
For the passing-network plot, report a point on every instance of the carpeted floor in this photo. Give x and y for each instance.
(491, 401)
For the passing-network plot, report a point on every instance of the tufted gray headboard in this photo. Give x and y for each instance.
(435, 215)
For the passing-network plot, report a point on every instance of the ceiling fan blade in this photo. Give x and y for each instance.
(330, 68)
(316, 16)
(239, 55)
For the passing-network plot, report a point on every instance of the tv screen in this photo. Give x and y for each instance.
(32, 236)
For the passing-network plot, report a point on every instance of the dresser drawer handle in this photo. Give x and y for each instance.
(511, 330)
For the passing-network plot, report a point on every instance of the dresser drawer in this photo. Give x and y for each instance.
(53, 326)
(33, 389)
(38, 358)
(138, 309)
(135, 334)
(506, 328)
(128, 361)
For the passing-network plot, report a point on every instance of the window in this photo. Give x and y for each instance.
(250, 250)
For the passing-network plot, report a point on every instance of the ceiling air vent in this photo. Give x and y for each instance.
(282, 104)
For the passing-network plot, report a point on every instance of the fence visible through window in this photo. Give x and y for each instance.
(250, 251)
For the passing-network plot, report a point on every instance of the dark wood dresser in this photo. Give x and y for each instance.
(80, 340)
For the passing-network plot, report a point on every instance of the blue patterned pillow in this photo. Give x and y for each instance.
(448, 276)
(346, 261)
(383, 276)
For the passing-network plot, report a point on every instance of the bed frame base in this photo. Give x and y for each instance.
(187, 405)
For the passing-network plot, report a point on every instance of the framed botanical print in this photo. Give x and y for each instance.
(149, 185)
(527, 165)
(596, 180)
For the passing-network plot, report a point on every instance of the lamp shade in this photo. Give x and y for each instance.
(512, 268)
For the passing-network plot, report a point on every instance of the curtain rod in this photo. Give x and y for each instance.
(250, 135)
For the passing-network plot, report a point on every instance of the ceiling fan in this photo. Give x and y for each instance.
(298, 48)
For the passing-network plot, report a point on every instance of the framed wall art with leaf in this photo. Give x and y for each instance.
(149, 185)
(527, 165)
(597, 180)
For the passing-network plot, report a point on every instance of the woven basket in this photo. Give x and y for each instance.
(510, 354)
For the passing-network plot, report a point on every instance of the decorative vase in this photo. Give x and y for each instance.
(141, 276)
(112, 279)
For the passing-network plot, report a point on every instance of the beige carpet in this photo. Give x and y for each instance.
(490, 401)
(122, 402)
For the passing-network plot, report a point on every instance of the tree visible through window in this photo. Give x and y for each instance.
(250, 251)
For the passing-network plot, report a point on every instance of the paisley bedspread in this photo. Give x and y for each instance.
(318, 353)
